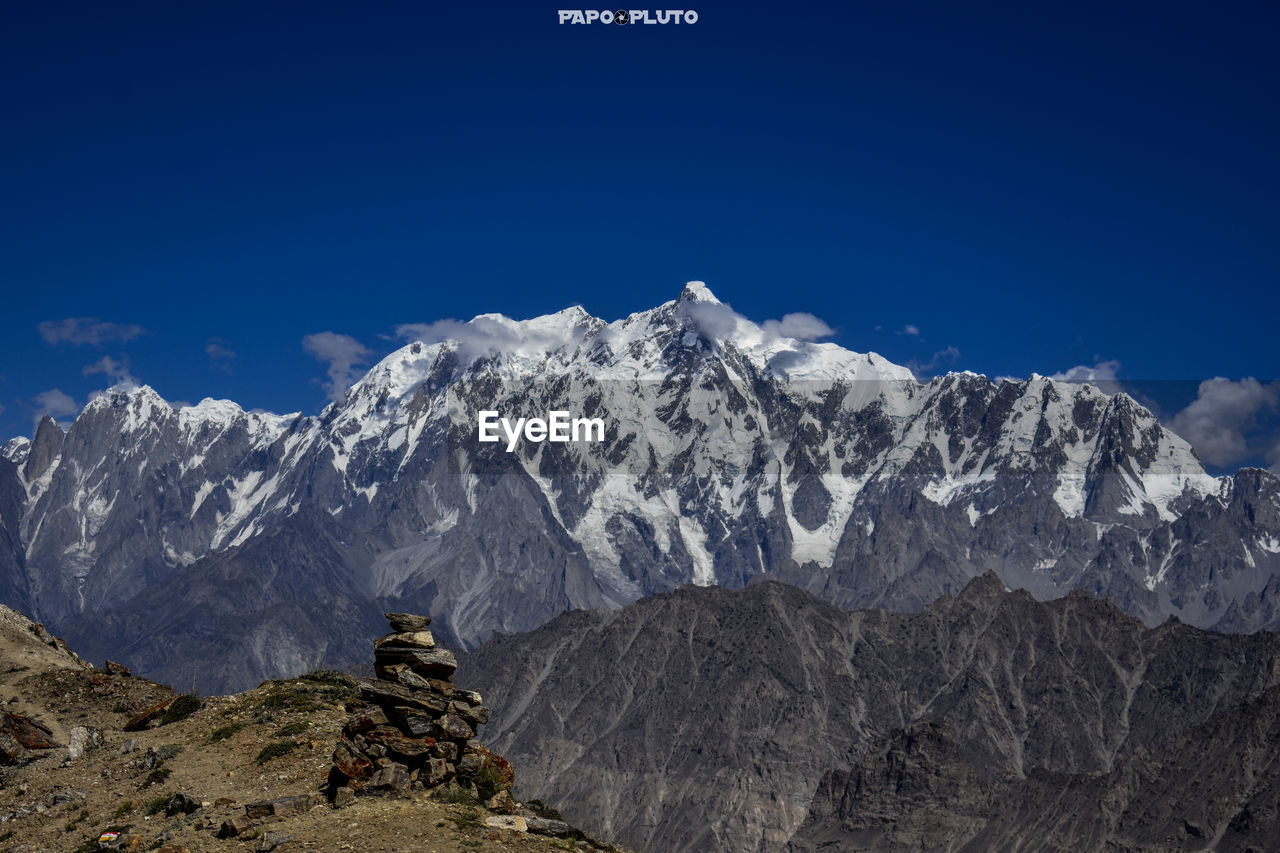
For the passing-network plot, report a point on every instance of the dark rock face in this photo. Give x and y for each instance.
(730, 455)
(715, 720)
(13, 574)
(45, 447)
(1216, 781)
(246, 613)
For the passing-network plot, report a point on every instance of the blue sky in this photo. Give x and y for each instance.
(989, 187)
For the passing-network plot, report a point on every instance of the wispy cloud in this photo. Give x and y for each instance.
(718, 321)
(715, 320)
(492, 333)
(945, 356)
(55, 404)
(80, 331)
(911, 329)
(343, 354)
(216, 348)
(117, 371)
(1218, 422)
(220, 355)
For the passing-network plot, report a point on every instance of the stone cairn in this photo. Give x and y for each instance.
(410, 728)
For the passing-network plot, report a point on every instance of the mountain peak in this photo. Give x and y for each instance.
(46, 445)
(697, 291)
(986, 585)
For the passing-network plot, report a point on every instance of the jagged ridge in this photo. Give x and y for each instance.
(734, 452)
(706, 719)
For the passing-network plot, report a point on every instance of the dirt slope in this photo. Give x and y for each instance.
(126, 781)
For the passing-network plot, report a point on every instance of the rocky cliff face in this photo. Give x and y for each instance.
(714, 720)
(731, 452)
(1214, 786)
(13, 575)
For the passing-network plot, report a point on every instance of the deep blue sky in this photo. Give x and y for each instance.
(1036, 188)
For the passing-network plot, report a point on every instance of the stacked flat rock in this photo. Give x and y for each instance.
(410, 727)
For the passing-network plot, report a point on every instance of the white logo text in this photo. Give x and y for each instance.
(556, 426)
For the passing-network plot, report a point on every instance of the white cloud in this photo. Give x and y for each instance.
(54, 403)
(117, 371)
(493, 333)
(79, 331)
(713, 319)
(1224, 411)
(1101, 371)
(342, 353)
(912, 330)
(1273, 459)
(719, 322)
(801, 326)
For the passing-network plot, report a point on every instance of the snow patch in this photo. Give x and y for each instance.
(695, 542)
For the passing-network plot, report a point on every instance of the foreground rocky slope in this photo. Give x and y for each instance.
(732, 451)
(713, 720)
(131, 762)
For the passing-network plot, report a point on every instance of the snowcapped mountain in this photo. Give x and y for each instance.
(732, 451)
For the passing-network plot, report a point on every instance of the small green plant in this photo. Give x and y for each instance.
(156, 777)
(224, 732)
(6, 835)
(487, 783)
(156, 805)
(181, 708)
(328, 676)
(275, 750)
(295, 699)
(293, 729)
(541, 809)
(71, 825)
(454, 793)
(123, 809)
(167, 751)
(467, 817)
